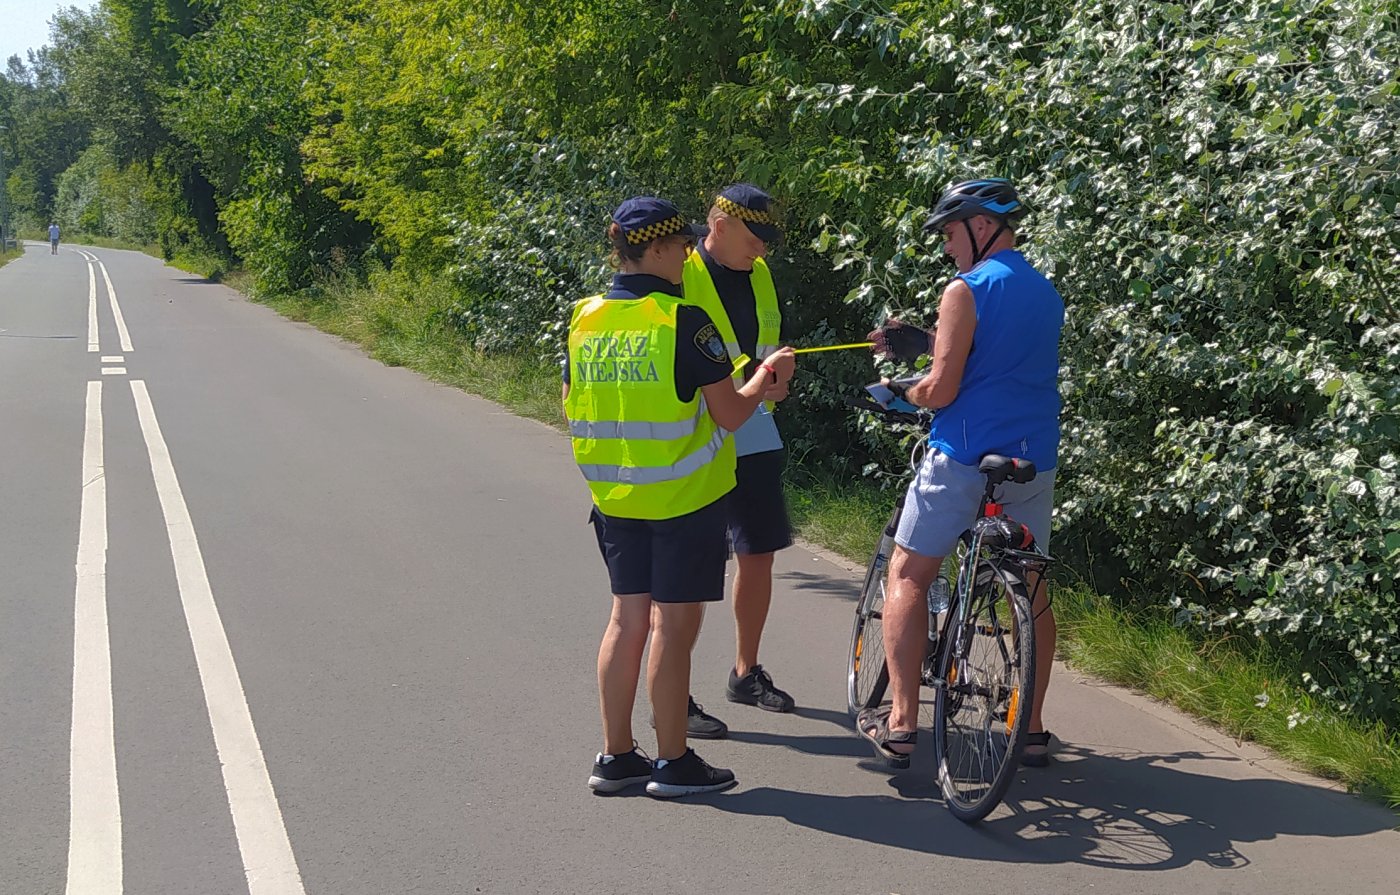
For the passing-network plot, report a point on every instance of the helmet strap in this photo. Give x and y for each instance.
(980, 252)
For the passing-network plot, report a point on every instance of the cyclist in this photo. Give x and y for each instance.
(649, 399)
(993, 381)
(728, 277)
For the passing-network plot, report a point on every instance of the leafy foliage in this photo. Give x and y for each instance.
(42, 136)
(1217, 202)
(242, 109)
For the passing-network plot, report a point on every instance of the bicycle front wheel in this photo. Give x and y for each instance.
(984, 694)
(867, 676)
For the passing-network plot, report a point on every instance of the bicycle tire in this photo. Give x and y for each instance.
(867, 675)
(982, 713)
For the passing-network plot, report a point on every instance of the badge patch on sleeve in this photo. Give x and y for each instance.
(711, 345)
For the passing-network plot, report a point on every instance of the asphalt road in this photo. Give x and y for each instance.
(275, 618)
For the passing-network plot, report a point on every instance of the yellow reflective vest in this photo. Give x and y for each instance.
(645, 453)
(760, 432)
(700, 290)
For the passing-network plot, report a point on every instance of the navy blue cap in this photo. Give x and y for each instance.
(754, 207)
(644, 218)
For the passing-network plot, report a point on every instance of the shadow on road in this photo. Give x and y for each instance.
(1123, 811)
(823, 584)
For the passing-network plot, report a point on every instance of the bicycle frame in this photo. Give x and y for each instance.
(980, 663)
(960, 600)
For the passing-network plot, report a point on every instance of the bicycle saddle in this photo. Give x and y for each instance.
(999, 469)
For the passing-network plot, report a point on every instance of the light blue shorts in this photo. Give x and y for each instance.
(945, 496)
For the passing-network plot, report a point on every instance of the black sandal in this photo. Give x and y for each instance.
(1037, 759)
(874, 727)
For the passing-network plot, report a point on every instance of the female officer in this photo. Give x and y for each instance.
(650, 404)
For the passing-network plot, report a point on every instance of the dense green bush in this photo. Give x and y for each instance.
(98, 198)
(243, 109)
(1216, 195)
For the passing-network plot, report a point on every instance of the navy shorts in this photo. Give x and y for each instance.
(758, 516)
(678, 560)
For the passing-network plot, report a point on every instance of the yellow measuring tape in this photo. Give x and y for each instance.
(834, 347)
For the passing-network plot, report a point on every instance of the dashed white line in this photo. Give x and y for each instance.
(114, 371)
(95, 824)
(122, 334)
(92, 308)
(113, 359)
(268, 862)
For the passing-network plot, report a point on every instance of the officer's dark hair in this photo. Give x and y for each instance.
(624, 251)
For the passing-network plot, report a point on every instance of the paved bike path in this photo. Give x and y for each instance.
(414, 601)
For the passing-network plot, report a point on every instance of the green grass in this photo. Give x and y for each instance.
(392, 329)
(106, 242)
(841, 515)
(1231, 681)
(1218, 678)
(8, 255)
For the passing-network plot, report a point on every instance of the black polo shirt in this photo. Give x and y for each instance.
(735, 288)
(701, 359)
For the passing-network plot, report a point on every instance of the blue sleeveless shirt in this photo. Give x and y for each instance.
(1009, 400)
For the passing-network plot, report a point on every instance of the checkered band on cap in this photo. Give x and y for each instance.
(656, 230)
(742, 212)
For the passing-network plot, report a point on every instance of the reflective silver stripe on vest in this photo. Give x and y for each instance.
(652, 475)
(608, 429)
(733, 349)
(764, 350)
(634, 431)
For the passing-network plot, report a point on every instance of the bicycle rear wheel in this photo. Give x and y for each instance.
(983, 700)
(867, 676)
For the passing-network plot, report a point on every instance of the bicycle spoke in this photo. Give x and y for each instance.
(867, 677)
(982, 719)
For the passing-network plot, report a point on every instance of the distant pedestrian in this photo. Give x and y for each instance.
(53, 239)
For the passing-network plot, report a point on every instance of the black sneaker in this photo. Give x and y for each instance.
(703, 726)
(699, 725)
(756, 688)
(614, 773)
(686, 776)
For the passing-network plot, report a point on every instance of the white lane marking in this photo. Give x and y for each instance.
(122, 334)
(113, 359)
(95, 820)
(92, 310)
(268, 862)
(114, 371)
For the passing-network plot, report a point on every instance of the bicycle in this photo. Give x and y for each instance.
(980, 669)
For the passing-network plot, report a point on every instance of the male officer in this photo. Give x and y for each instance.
(728, 277)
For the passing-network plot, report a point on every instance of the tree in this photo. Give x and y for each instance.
(43, 134)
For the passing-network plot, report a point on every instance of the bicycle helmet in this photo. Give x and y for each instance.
(993, 197)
